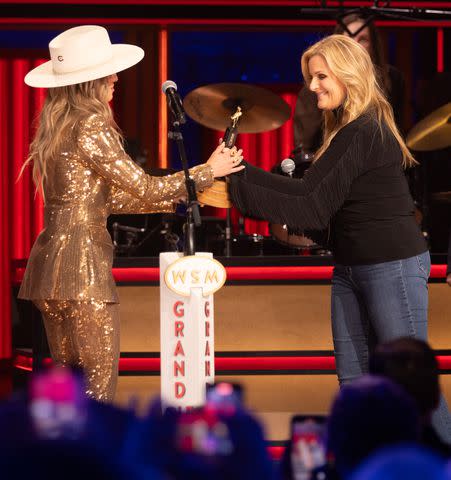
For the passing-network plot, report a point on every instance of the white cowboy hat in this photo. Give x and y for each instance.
(81, 54)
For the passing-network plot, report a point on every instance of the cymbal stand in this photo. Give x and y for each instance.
(229, 139)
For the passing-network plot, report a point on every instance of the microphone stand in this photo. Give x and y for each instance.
(193, 215)
(290, 230)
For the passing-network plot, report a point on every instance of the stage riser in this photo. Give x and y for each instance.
(263, 318)
(256, 318)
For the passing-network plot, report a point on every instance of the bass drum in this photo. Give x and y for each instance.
(282, 233)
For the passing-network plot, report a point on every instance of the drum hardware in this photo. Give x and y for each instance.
(137, 237)
(249, 245)
(300, 155)
(131, 236)
(235, 108)
(433, 132)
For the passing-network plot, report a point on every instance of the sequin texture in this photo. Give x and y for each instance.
(92, 177)
(85, 334)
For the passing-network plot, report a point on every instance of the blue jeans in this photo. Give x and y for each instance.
(377, 303)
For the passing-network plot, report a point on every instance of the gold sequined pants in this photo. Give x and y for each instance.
(85, 334)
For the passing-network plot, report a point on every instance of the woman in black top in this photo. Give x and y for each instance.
(357, 189)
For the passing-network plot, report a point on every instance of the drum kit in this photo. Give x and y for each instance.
(242, 108)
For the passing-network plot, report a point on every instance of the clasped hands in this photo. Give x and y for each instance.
(224, 161)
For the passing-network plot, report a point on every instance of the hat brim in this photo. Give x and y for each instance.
(124, 56)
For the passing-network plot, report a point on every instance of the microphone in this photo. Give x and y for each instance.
(288, 166)
(174, 102)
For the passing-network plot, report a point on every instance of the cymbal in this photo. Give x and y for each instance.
(433, 132)
(441, 196)
(212, 106)
(216, 196)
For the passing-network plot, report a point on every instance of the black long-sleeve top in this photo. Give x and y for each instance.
(357, 187)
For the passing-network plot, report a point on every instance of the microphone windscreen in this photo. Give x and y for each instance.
(168, 84)
(288, 165)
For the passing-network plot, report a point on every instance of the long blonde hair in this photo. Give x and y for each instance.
(59, 120)
(352, 66)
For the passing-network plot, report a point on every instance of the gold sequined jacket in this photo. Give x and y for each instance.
(92, 178)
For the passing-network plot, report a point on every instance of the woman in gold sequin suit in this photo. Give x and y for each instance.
(84, 175)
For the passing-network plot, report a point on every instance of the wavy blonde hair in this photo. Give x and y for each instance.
(351, 64)
(59, 120)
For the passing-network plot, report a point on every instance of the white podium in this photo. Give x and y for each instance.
(187, 285)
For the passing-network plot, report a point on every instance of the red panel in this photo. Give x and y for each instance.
(233, 273)
(438, 271)
(241, 363)
(440, 50)
(161, 21)
(275, 363)
(5, 214)
(139, 364)
(276, 452)
(256, 364)
(136, 274)
(152, 274)
(301, 3)
(211, 22)
(444, 362)
(323, 363)
(252, 273)
(23, 362)
(279, 273)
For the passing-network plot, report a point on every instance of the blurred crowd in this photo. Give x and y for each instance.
(378, 428)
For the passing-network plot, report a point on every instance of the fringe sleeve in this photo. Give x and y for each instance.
(306, 203)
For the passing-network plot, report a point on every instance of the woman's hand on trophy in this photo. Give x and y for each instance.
(225, 161)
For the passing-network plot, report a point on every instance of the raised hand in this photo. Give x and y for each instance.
(225, 161)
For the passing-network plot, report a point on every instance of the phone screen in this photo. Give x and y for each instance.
(308, 444)
(57, 403)
(224, 397)
(202, 433)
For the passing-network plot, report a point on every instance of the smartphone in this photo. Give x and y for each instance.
(308, 446)
(224, 397)
(203, 433)
(58, 403)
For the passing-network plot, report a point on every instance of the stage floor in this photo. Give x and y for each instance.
(270, 307)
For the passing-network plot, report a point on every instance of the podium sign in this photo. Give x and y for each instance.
(187, 285)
